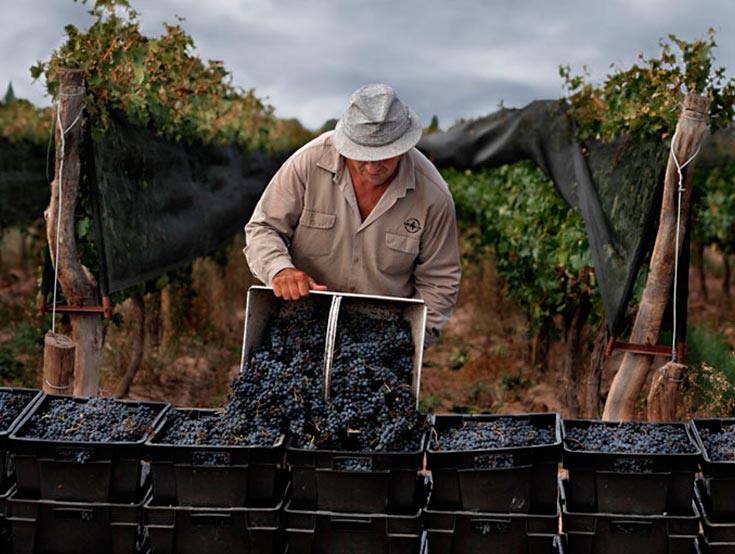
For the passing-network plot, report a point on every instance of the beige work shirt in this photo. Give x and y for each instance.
(308, 218)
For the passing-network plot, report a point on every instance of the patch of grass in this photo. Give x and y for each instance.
(710, 381)
(21, 355)
(513, 383)
(458, 359)
(429, 405)
(468, 409)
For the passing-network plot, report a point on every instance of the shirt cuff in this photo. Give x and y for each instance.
(278, 265)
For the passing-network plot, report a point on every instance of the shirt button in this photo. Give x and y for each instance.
(352, 289)
(356, 260)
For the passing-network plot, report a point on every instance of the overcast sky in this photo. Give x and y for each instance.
(453, 58)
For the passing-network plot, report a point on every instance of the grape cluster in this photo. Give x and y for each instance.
(719, 445)
(12, 404)
(371, 406)
(504, 432)
(630, 437)
(95, 420)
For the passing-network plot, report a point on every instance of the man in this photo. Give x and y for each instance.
(359, 209)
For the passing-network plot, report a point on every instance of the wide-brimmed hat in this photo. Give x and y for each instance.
(376, 125)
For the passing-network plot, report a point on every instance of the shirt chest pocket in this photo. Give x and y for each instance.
(399, 255)
(314, 235)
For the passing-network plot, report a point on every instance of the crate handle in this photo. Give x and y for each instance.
(351, 523)
(211, 518)
(490, 461)
(628, 527)
(212, 458)
(633, 465)
(74, 453)
(486, 526)
(84, 514)
(339, 460)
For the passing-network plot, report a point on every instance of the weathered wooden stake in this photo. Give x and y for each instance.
(634, 369)
(664, 392)
(77, 283)
(58, 364)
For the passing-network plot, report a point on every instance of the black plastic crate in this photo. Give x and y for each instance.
(215, 475)
(30, 397)
(719, 476)
(59, 527)
(450, 532)
(387, 484)
(714, 530)
(620, 482)
(80, 471)
(330, 532)
(520, 479)
(703, 547)
(214, 530)
(626, 533)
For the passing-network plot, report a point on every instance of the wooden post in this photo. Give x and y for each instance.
(58, 364)
(634, 368)
(664, 391)
(77, 283)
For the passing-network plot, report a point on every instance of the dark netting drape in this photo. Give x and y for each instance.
(159, 205)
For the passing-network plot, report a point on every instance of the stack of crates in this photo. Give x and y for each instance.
(495, 499)
(16, 402)
(353, 501)
(350, 500)
(76, 497)
(209, 499)
(616, 501)
(715, 489)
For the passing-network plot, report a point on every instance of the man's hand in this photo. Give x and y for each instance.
(292, 284)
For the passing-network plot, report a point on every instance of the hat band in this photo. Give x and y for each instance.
(378, 135)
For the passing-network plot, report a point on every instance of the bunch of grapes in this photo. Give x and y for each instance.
(96, 420)
(12, 404)
(633, 437)
(371, 406)
(719, 445)
(504, 432)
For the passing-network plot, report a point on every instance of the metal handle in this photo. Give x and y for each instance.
(631, 527)
(329, 345)
(84, 514)
(210, 518)
(485, 526)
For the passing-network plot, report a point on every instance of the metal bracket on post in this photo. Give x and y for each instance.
(105, 309)
(649, 349)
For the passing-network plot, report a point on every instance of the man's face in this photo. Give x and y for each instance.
(377, 173)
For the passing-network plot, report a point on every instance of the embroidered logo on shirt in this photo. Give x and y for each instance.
(412, 225)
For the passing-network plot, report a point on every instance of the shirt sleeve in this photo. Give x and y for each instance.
(438, 272)
(269, 231)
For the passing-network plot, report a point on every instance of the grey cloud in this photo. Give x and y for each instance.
(454, 59)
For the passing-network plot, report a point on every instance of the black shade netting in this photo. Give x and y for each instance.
(159, 205)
